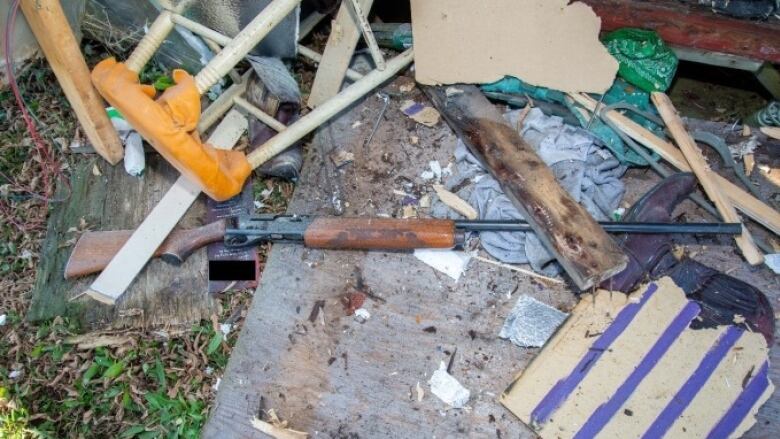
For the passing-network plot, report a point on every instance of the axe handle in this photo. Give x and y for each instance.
(94, 250)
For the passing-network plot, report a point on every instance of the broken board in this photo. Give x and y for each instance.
(565, 228)
(462, 41)
(162, 294)
(629, 366)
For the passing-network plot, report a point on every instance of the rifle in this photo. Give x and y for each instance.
(94, 250)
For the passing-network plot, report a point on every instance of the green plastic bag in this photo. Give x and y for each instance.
(645, 60)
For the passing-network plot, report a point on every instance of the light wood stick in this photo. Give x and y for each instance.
(111, 284)
(742, 200)
(338, 52)
(702, 170)
(50, 26)
(248, 38)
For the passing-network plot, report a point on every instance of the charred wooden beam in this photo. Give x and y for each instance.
(566, 229)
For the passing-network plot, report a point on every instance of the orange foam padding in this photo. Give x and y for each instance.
(169, 124)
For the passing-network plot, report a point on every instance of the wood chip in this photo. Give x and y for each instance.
(523, 114)
(420, 113)
(750, 163)
(277, 432)
(96, 171)
(518, 269)
(92, 341)
(455, 203)
(746, 131)
(420, 392)
(773, 132)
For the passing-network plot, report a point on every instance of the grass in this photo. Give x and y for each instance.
(151, 386)
(148, 384)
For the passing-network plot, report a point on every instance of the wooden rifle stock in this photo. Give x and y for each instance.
(94, 250)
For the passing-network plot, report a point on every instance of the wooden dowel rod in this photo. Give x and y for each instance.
(247, 39)
(201, 30)
(261, 115)
(158, 32)
(223, 104)
(309, 23)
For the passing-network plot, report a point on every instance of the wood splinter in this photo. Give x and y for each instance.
(703, 172)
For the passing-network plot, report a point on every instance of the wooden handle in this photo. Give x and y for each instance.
(380, 234)
(94, 250)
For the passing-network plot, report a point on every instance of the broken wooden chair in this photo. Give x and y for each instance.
(169, 122)
(222, 178)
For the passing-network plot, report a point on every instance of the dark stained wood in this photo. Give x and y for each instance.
(94, 250)
(566, 229)
(380, 234)
(693, 26)
(162, 294)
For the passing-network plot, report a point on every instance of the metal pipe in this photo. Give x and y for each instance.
(611, 227)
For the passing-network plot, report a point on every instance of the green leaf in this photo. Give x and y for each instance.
(163, 82)
(159, 373)
(132, 432)
(127, 401)
(112, 392)
(36, 352)
(90, 373)
(114, 371)
(214, 343)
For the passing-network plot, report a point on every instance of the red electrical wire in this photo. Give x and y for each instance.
(49, 162)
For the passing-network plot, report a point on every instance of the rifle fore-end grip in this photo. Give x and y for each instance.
(381, 234)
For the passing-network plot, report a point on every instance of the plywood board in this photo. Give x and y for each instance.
(543, 42)
(162, 295)
(629, 366)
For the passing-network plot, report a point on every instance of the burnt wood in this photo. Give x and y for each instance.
(566, 229)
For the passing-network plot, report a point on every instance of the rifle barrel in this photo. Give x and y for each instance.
(611, 227)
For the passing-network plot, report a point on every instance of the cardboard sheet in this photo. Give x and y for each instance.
(543, 42)
(629, 366)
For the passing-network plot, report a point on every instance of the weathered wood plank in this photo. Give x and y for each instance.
(162, 294)
(693, 26)
(566, 229)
